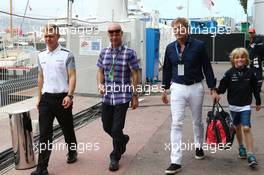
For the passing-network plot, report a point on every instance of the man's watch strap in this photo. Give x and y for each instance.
(135, 94)
(70, 96)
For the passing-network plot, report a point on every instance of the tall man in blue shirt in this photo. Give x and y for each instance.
(185, 65)
(116, 64)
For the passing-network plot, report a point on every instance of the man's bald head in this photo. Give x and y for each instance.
(115, 34)
(114, 26)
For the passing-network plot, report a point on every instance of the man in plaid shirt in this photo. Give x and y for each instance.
(116, 64)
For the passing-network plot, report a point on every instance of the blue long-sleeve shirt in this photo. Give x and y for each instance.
(196, 64)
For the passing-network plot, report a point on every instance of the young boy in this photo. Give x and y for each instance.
(240, 82)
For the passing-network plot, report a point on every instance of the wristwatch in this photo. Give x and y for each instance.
(135, 94)
(70, 96)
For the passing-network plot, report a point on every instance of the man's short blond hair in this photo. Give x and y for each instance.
(241, 51)
(51, 29)
(183, 21)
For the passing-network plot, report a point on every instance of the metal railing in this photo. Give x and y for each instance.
(17, 84)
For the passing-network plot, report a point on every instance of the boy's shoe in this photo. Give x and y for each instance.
(173, 168)
(242, 152)
(252, 161)
(199, 153)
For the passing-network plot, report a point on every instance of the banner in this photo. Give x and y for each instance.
(90, 45)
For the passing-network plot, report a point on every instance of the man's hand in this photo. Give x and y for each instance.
(164, 97)
(37, 104)
(67, 102)
(134, 102)
(258, 107)
(101, 89)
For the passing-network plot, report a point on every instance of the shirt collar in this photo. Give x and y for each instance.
(55, 50)
(116, 49)
(241, 69)
(188, 41)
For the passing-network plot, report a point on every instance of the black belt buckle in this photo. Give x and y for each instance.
(55, 95)
(188, 83)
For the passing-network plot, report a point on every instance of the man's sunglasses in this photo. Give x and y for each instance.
(114, 31)
(49, 36)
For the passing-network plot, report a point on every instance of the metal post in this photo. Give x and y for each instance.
(69, 23)
(213, 51)
(143, 51)
(188, 9)
(11, 20)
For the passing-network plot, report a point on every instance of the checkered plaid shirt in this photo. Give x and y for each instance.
(121, 60)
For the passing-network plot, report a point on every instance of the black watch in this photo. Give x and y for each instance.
(70, 96)
(135, 94)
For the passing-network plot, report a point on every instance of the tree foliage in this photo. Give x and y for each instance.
(244, 5)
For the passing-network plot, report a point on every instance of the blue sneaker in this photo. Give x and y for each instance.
(252, 161)
(242, 152)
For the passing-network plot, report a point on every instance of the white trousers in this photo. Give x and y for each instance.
(182, 96)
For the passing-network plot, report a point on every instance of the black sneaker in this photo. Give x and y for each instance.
(40, 172)
(123, 147)
(173, 168)
(114, 165)
(199, 153)
(72, 157)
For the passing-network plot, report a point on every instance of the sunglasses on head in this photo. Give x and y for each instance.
(114, 31)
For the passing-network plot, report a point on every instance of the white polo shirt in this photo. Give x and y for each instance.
(55, 65)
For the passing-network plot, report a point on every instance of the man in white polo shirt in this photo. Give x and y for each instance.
(56, 85)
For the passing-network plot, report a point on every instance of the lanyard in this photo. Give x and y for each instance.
(177, 51)
(114, 58)
(111, 73)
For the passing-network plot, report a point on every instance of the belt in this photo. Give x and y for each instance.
(55, 95)
(190, 82)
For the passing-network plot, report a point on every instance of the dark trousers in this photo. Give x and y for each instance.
(258, 73)
(50, 106)
(113, 118)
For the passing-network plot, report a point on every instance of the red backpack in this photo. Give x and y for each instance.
(220, 129)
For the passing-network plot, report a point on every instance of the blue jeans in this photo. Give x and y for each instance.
(242, 117)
